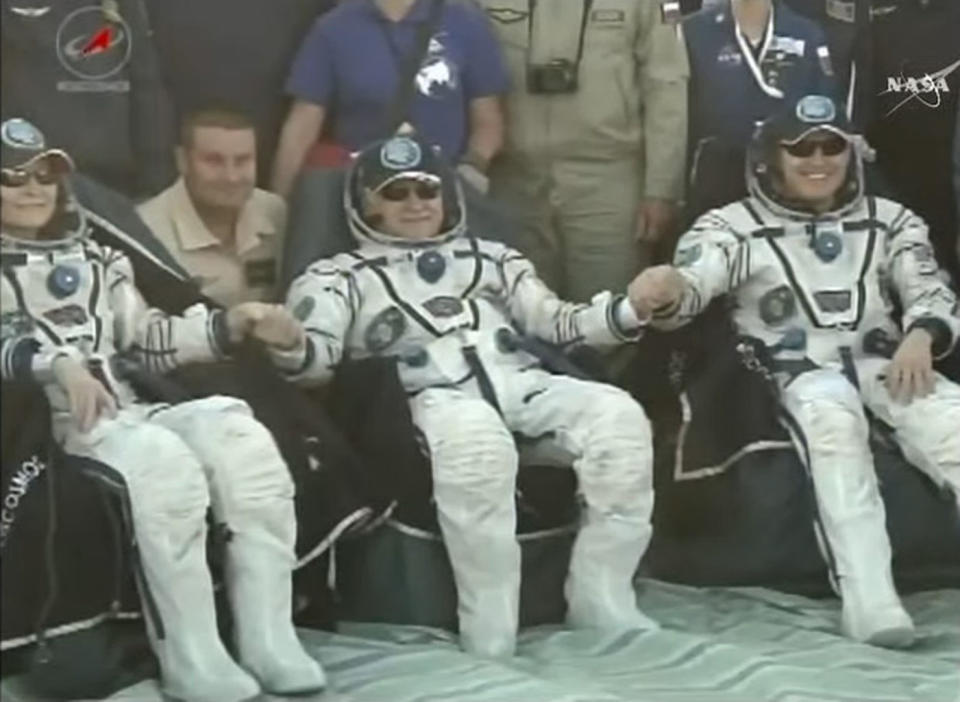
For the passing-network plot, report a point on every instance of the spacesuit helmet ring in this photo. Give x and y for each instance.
(394, 167)
(812, 125)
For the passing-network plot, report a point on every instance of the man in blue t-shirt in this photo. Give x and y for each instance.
(346, 75)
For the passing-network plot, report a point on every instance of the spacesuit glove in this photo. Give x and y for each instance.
(910, 373)
(271, 324)
(89, 399)
(655, 289)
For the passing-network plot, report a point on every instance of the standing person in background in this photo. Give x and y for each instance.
(223, 230)
(747, 58)
(346, 74)
(596, 137)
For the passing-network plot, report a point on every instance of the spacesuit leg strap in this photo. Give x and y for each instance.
(252, 493)
(610, 438)
(474, 465)
(168, 500)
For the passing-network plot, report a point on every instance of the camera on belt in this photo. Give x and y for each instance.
(553, 77)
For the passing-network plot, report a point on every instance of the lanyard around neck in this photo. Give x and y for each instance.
(754, 59)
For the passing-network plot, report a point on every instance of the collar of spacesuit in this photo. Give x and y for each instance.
(454, 220)
(70, 225)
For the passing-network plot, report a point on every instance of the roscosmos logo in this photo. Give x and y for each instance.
(93, 45)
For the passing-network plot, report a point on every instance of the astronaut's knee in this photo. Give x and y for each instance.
(162, 475)
(616, 466)
(475, 448)
(830, 411)
(242, 454)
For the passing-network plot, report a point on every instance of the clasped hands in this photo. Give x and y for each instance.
(89, 399)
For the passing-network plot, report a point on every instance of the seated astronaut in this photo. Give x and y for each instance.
(456, 311)
(814, 267)
(69, 308)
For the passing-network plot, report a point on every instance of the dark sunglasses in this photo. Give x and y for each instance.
(831, 146)
(17, 178)
(400, 190)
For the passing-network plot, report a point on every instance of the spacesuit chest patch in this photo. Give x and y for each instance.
(385, 329)
(444, 306)
(777, 305)
(833, 300)
(67, 316)
(303, 308)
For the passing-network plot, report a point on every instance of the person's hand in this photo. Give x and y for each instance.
(89, 399)
(655, 288)
(242, 318)
(474, 176)
(279, 329)
(655, 219)
(271, 324)
(910, 373)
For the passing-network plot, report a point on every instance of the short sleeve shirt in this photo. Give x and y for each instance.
(350, 63)
(243, 271)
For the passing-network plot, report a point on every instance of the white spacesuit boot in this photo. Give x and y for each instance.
(194, 664)
(615, 479)
(260, 560)
(854, 519)
(599, 588)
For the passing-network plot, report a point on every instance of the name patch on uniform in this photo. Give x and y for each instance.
(68, 316)
(833, 300)
(670, 11)
(13, 259)
(788, 45)
(840, 10)
(506, 15)
(730, 55)
(444, 306)
(607, 17)
(260, 273)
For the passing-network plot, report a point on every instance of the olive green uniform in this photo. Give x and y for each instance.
(576, 165)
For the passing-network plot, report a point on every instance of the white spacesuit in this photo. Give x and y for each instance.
(69, 296)
(455, 311)
(819, 290)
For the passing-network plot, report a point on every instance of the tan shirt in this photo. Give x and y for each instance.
(632, 96)
(229, 274)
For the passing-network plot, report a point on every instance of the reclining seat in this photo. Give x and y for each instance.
(734, 503)
(399, 572)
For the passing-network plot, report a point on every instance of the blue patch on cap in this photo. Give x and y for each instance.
(816, 109)
(400, 154)
(19, 133)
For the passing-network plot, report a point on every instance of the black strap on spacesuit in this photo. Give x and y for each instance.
(483, 380)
